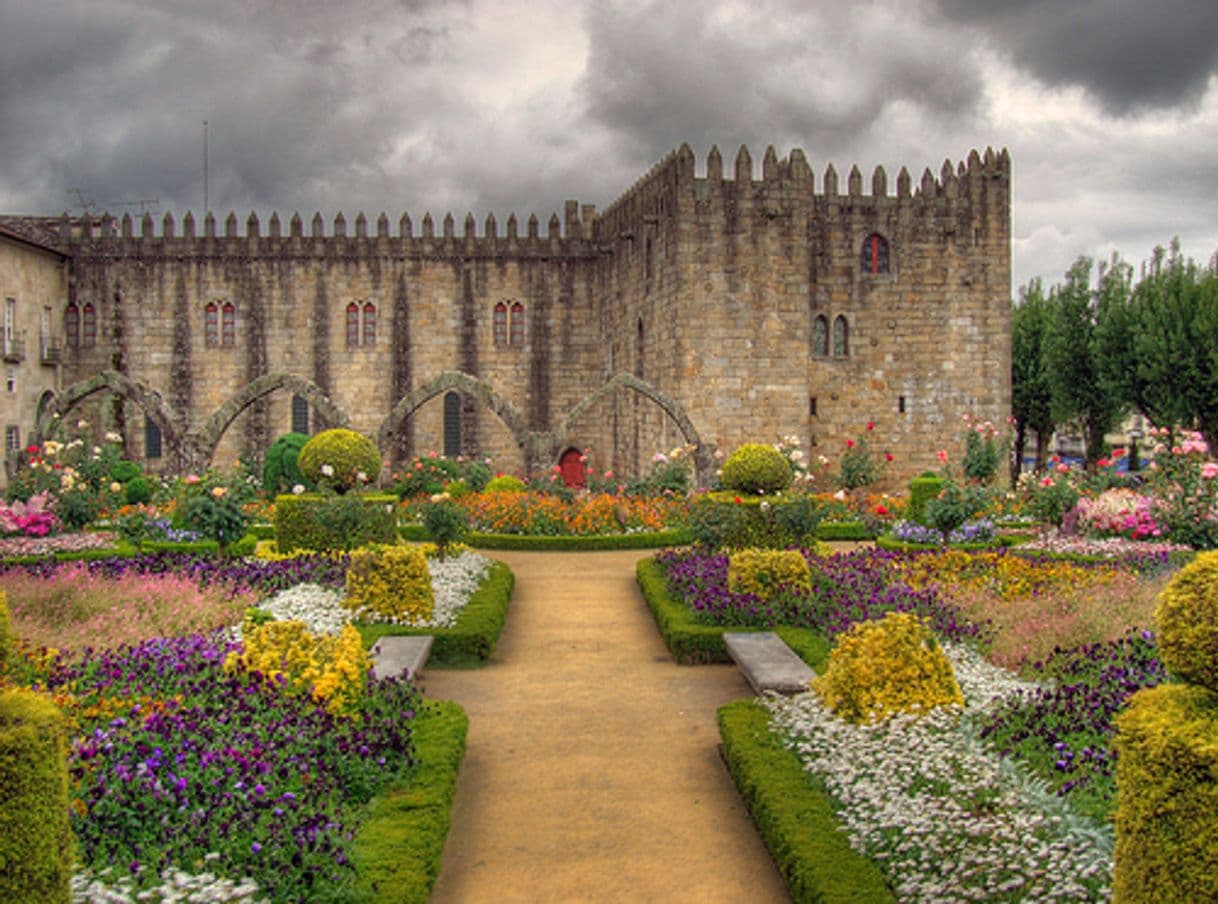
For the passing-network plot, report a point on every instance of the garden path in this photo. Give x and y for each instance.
(592, 772)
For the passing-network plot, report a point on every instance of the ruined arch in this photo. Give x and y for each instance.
(448, 381)
(52, 407)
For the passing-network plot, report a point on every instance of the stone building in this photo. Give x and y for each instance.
(702, 308)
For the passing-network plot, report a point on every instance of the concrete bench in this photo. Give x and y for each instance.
(392, 654)
(768, 663)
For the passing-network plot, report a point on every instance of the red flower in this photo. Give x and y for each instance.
(887, 456)
(849, 444)
(738, 500)
(880, 510)
(32, 450)
(870, 425)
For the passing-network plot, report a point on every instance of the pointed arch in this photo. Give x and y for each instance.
(454, 380)
(53, 407)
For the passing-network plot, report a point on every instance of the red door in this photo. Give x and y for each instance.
(573, 471)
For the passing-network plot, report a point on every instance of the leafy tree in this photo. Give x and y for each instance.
(1031, 393)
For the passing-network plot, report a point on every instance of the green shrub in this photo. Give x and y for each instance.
(426, 475)
(445, 523)
(36, 844)
(505, 483)
(6, 634)
(1167, 796)
(953, 506)
(922, 489)
(883, 667)
(755, 468)
(1187, 616)
(391, 583)
(124, 471)
(764, 572)
(137, 491)
(316, 521)
(339, 459)
(722, 520)
(456, 488)
(280, 470)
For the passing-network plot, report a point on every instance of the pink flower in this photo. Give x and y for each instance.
(1209, 470)
(943, 455)
(1063, 468)
(191, 479)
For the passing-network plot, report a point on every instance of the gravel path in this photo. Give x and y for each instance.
(593, 772)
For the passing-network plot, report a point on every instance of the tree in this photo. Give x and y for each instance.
(1031, 394)
(1080, 388)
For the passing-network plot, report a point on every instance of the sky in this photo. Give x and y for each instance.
(1109, 108)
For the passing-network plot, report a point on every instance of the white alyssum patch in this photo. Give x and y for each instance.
(175, 886)
(453, 581)
(944, 816)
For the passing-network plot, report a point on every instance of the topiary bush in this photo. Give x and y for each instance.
(766, 572)
(6, 634)
(755, 468)
(280, 470)
(124, 470)
(339, 459)
(390, 584)
(504, 483)
(313, 521)
(137, 491)
(880, 668)
(922, 489)
(1187, 616)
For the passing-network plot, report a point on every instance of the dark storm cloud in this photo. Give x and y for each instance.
(1130, 54)
(780, 72)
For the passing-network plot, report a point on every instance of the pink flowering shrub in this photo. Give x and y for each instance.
(1186, 481)
(33, 518)
(1120, 513)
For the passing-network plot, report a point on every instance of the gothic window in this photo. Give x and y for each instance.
(152, 439)
(820, 336)
(452, 425)
(228, 325)
(12, 438)
(369, 323)
(875, 254)
(841, 337)
(88, 332)
(300, 414)
(517, 324)
(352, 325)
(71, 324)
(500, 324)
(211, 325)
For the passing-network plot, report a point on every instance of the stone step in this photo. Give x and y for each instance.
(390, 655)
(768, 663)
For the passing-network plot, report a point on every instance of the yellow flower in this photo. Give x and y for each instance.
(219, 492)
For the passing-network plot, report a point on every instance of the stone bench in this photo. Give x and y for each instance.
(392, 654)
(768, 663)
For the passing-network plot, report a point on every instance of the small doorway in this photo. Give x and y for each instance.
(572, 466)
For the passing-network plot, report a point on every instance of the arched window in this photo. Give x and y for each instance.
(820, 336)
(211, 325)
(841, 337)
(517, 324)
(452, 424)
(152, 438)
(71, 324)
(88, 332)
(300, 414)
(228, 325)
(875, 254)
(352, 325)
(369, 323)
(500, 324)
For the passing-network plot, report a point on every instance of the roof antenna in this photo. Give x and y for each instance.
(206, 204)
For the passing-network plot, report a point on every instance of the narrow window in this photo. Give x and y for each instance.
(649, 262)
(875, 254)
(228, 325)
(211, 325)
(811, 406)
(517, 324)
(369, 324)
(71, 324)
(452, 425)
(820, 337)
(500, 324)
(352, 325)
(88, 336)
(152, 438)
(900, 404)
(12, 438)
(10, 321)
(300, 414)
(841, 337)
(10, 381)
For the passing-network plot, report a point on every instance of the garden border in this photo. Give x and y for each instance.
(399, 847)
(796, 819)
(470, 642)
(692, 643)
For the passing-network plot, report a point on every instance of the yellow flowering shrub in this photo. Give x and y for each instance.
(331, 668)
(1006, 576)
(765, 571)
(390, 583)
(1187, 616)
(879, 668)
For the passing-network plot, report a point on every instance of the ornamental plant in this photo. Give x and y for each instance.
(885, 667)
(390, 584)
(32, 518)
(766, 572)
(1185, 481)
(860, 467)
(445, 522)
(280, 471)
(984, 450)
(340, 460)
(214, 507)
(1187, 616)
(756, 469)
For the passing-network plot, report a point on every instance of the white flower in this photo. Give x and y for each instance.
(82, 424)
(297, 489)
(112, 437)
(361, 477)
(327, 470)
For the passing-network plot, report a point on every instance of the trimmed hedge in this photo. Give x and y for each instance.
(795, 816)
(693, 643)
(470, 642)
(398, 849)
(843, 530)
(300, 521)
(888, 541)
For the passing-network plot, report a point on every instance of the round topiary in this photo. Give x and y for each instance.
(124, 471)
(137, 491)
(279, 467)
(755, 468)
(1187, 616)
(504, 483)
(340, 459)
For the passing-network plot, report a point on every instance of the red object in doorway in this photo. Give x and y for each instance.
(573, 471)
